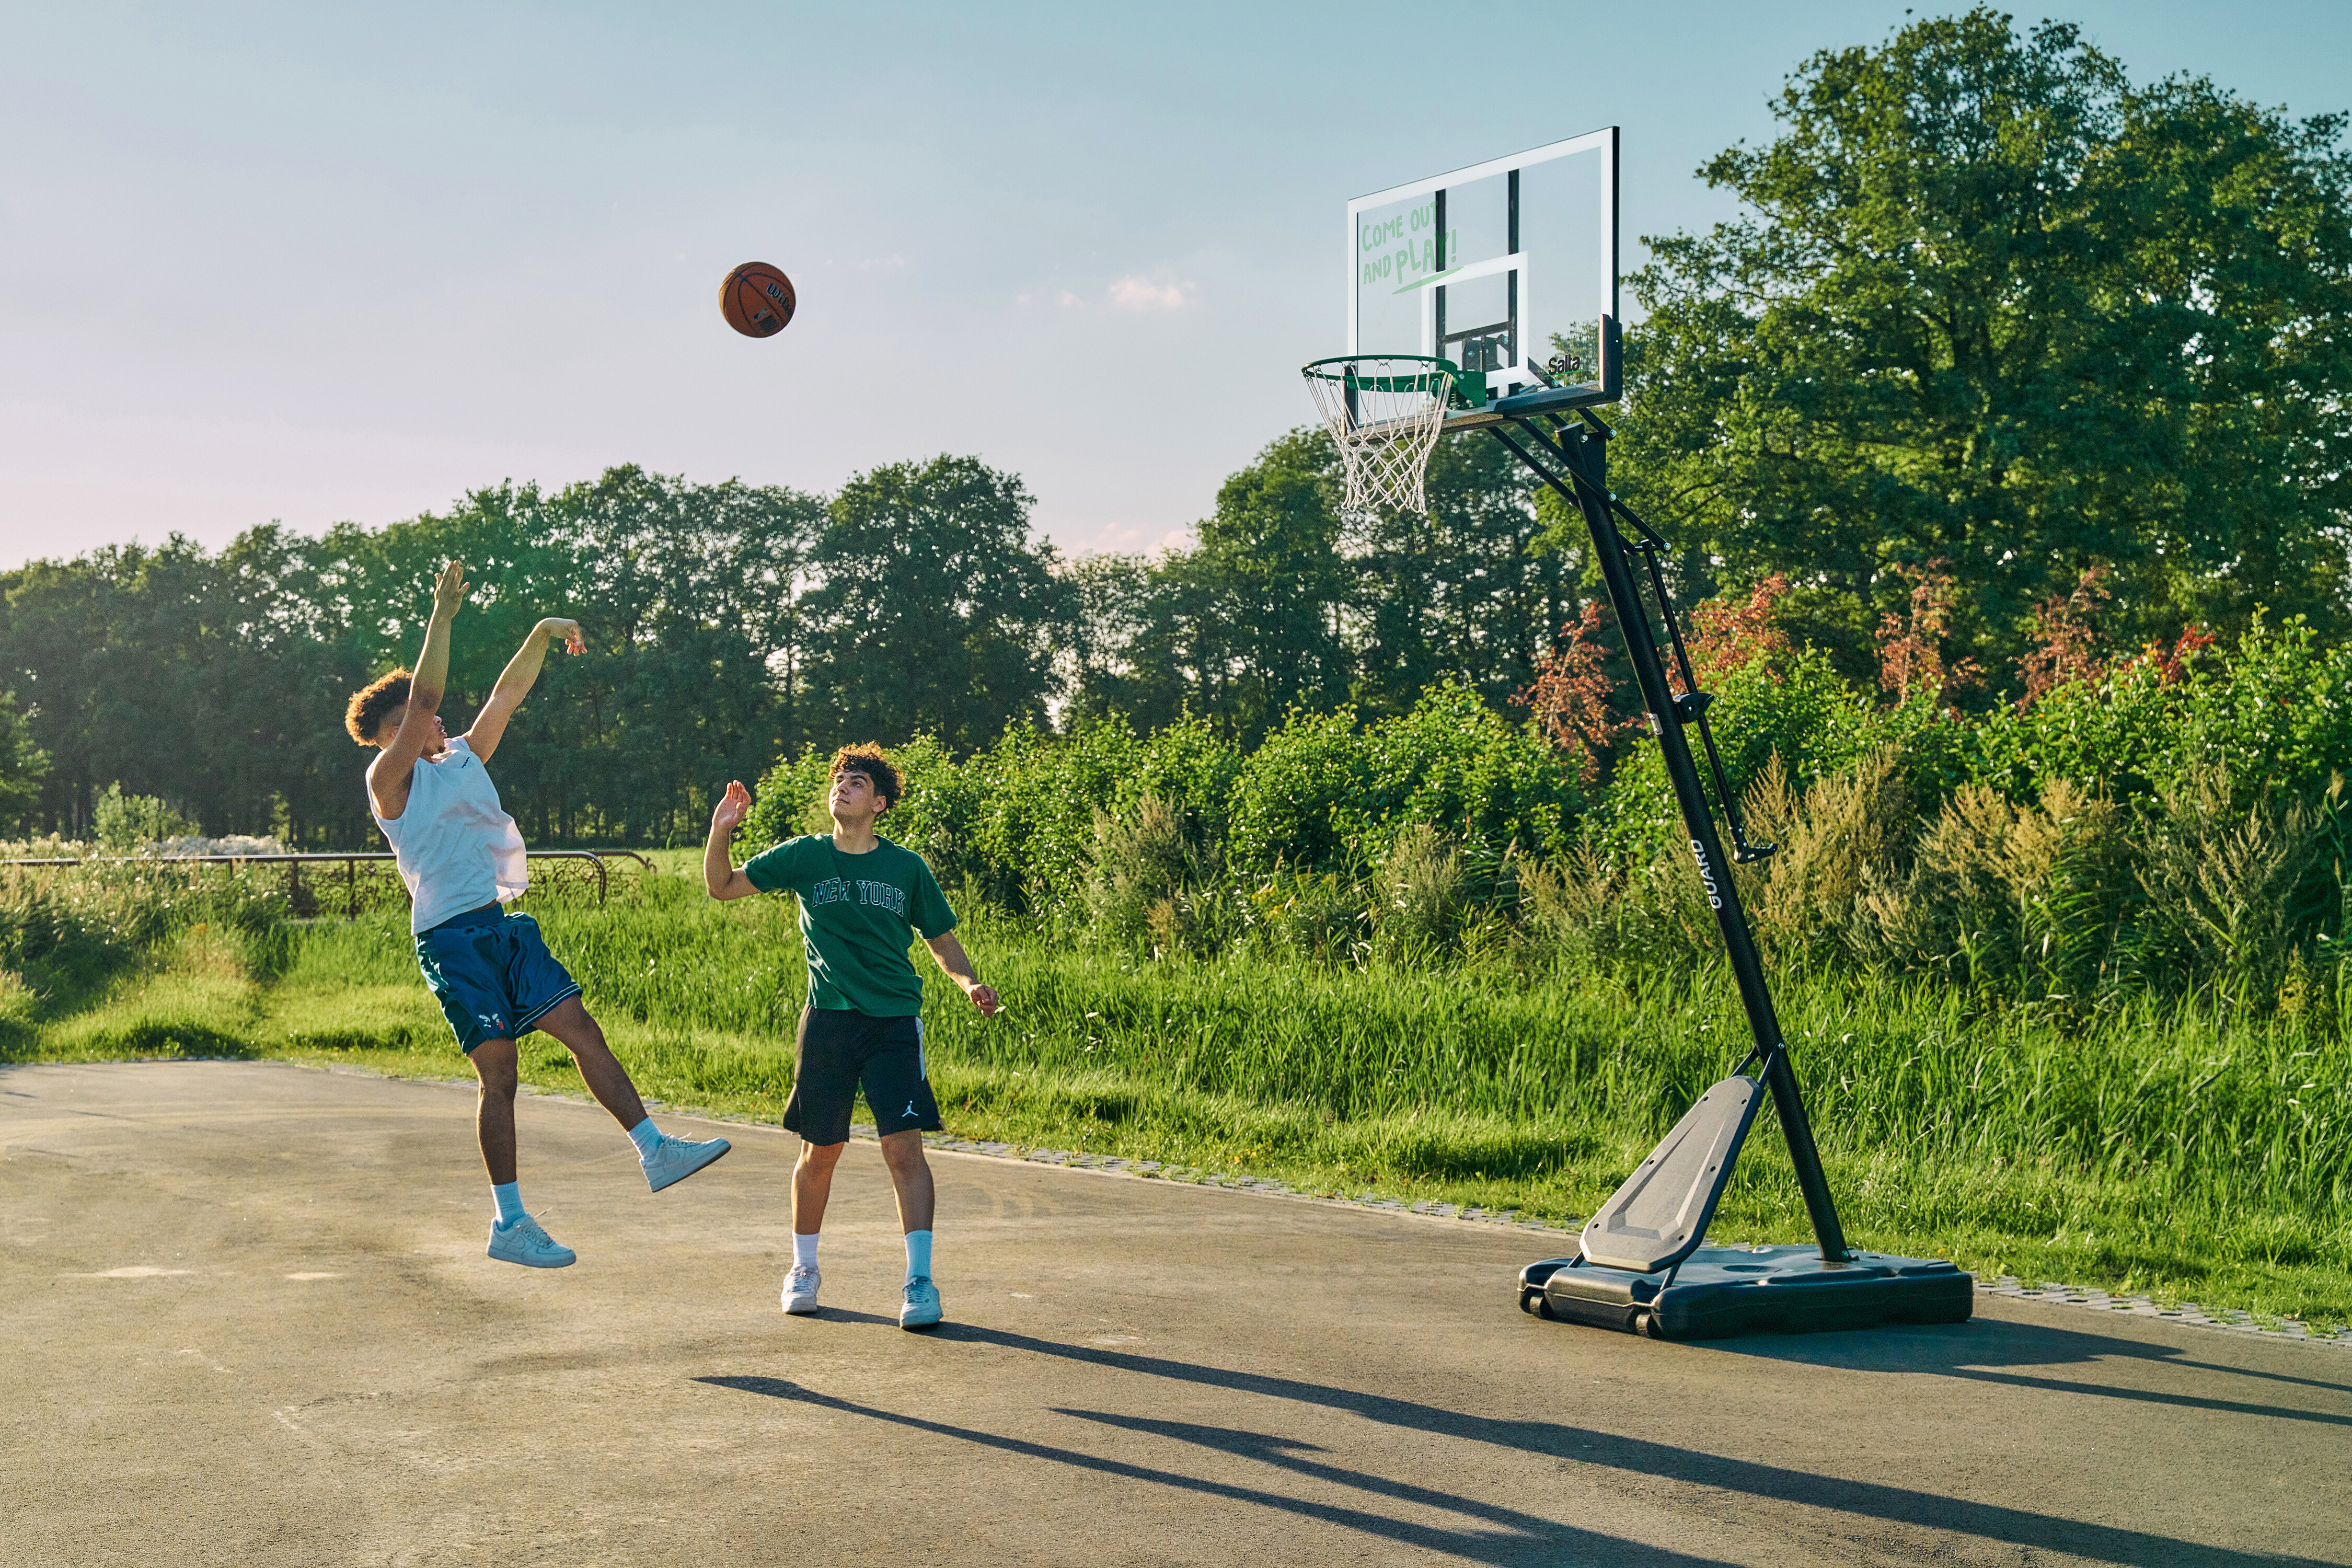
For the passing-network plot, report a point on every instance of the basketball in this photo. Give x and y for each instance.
(756, 300)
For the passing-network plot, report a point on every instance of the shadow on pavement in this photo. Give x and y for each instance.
(1964, 1351)
(1977, 1350)
(1515, 1537)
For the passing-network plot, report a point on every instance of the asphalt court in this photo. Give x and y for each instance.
(247, 1319)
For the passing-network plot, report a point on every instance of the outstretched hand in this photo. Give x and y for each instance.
(732, 808)
(450, 591)
(984, 998)
(556, 626)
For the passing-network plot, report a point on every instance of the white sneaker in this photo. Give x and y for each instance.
(919, 1305)
(800, 1289)
(523, 1242)
(674, 1159)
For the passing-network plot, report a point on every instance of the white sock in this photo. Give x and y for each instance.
(804, 1251)
(918, 1253)
(508, 1195)
(646, 1137)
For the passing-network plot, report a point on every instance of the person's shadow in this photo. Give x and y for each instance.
(1503, 1536)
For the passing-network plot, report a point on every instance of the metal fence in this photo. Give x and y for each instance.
(305, 900)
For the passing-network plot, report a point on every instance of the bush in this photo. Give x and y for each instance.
(2162, 825)
(1154, 884)
(1321, 794)
(1421, 892)
(1316, 918)
(123, 822)
(1794, 710)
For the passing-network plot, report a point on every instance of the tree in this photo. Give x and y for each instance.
(1992, 303)
(22, 764)
(1150, 640)
(937, 613)
(692, 595)
(118, 654)
(1464, 592)
(1269, 565)
(689, 598)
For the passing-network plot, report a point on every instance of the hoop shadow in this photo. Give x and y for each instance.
(1977, 1350)
(1636, 1456)
(1513, 1536)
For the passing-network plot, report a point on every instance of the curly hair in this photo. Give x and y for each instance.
(369, 703)
(867, 758)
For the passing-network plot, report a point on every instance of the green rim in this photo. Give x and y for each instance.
(1444, 374)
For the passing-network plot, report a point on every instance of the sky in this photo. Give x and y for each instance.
(322, 263)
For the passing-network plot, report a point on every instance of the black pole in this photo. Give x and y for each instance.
(1582, 453)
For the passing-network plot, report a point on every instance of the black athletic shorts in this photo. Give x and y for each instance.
(841, 1052)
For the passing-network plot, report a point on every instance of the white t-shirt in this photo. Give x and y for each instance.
(456, 846)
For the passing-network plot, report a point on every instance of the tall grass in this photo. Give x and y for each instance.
(2179, 1142)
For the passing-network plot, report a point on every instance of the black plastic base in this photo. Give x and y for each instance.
(1724, 1291)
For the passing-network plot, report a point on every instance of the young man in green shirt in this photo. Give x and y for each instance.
(863, 901)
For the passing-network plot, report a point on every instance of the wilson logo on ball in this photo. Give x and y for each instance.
(757, 300)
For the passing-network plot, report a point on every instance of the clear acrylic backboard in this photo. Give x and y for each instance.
(1504, 264)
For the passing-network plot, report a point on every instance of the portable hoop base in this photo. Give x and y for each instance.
(1720, 1292)
(1643, 1266)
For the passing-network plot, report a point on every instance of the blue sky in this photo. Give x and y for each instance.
(314, 263)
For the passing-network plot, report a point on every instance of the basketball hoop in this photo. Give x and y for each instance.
(1385, 412)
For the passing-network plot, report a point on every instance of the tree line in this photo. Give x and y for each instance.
(728, 625)
(2008, 358)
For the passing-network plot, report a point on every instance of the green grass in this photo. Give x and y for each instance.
(2160, 1150)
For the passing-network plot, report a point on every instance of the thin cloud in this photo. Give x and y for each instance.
(1134, 293)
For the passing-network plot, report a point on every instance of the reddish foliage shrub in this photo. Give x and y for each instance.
(1571, 695)
(2065, 640)
(1728, 636)
(1910, 646)
(2173, 662)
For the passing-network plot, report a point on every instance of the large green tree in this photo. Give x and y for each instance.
(1991, 303)
(1288, 602)
(1470, 592)
(937, 612)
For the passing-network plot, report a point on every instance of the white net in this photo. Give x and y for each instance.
(1385, 412)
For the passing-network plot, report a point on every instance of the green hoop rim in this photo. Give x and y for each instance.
(1450, 373)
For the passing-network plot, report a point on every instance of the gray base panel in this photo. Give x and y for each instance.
(1720, 1292)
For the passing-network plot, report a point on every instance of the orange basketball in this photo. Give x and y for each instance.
(756, 300)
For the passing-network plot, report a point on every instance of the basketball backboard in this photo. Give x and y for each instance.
(1498, 266)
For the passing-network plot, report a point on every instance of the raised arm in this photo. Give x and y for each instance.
(388, 776)
(721, 875)
(515, 682)
(950, 956)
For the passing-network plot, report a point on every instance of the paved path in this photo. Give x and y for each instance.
(246, 1319)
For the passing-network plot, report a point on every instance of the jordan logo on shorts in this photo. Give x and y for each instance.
(909, 1110)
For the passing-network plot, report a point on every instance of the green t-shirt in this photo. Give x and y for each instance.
(856, 914)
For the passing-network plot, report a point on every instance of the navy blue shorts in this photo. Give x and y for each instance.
(838, 1054)
(491, 974)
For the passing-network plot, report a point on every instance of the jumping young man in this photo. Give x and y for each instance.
(462, 856)
(863, 901)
